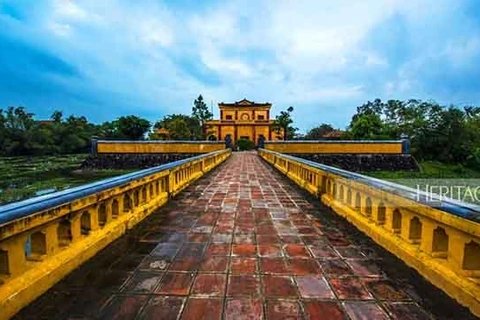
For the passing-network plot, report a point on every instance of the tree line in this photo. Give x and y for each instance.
(21, 134)
(448, 134)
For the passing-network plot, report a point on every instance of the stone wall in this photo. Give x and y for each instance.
(131, 161)
(365, 162)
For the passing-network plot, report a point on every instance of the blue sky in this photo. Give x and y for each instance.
(104, 59)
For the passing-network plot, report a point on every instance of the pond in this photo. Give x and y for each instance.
(25, 177)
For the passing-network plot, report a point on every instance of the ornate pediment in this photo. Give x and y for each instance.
(244, 102)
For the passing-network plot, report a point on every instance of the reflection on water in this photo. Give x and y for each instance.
(45, 191)
(26, 177)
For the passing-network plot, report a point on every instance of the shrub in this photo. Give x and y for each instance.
(473, 160)
(245, 144)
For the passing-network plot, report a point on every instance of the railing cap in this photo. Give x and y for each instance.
(458, 208)
(333, 141)
(21, 209)
(162, 141)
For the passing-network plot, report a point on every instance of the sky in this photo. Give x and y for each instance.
(104, 59)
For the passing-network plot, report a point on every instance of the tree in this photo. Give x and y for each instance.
(108, 129)
(57, 116)
(283, 122)
(17, 125)
(131, 127)
(367, 126)
(440, 133)
(181, 127)
(201, 113)
(319, 132)
(75, 134)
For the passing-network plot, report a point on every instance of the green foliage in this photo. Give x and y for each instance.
(128, 128)
(473, 159)
(200, 110)
(201, 113)
(445, 134)
(283, 122)
(429, 170)
(181, 127)
(22, 177)
(245, 144)
(368, 126)
(21, 134)
(434, 172)
(132, 127)
(318, 133)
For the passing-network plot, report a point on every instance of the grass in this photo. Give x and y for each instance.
(429, 170)
(454, 181)
(26, 177)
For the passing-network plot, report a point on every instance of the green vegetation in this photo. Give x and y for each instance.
(26, 177)
(185, 127)
(283, 122)
(22, 135)
(128, 128)
(201, 113)
(318, 132)
(447, 134)
(180, 127)
(429, 170)
(453, 178)
(245, 144)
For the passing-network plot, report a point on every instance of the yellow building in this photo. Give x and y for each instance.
(243, 119)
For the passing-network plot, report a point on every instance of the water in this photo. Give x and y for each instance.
(45, 191)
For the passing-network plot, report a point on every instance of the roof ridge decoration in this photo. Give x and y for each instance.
(244, 102)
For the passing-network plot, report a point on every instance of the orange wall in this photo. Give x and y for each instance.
(158, 147)
(391, 147)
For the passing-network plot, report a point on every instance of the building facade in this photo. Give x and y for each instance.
(243, 119)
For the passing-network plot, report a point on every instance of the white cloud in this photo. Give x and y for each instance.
(68, 9)
(60, 29)
(154, 32)
(374, 60)
(461, 51)
(287, 52)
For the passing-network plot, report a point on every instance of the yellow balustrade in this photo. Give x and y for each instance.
(38, 247)
(442, 243)
(145, 147)
(339, 147)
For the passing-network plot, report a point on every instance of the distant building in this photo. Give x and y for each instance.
(162, 134)
(333, 135)
(44, 122)
(243, 119)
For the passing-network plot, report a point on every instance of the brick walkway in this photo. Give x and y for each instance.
(241, 243)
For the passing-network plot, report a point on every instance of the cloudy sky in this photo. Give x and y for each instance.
(107, 58)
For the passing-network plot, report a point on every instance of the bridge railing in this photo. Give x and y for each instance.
(155, 146)
(339, 146)
(440, 239)
(44, 238)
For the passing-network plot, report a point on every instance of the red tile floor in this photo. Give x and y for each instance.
(243, 243)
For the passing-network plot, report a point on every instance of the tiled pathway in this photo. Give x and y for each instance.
(241, 243)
